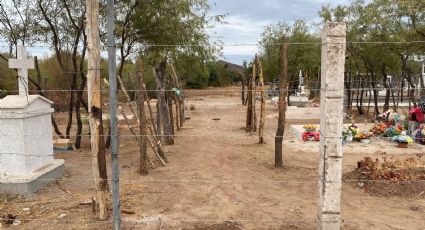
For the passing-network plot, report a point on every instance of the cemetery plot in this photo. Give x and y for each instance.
(202, 180)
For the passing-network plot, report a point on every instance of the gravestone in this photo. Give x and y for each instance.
(26, 146)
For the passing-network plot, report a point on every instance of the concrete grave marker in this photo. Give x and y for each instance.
(26, 144)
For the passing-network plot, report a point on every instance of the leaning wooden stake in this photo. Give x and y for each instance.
(130, 105)
(143, 155)
(263, 103)
(163, 123)
(95, 109)
(282, 106)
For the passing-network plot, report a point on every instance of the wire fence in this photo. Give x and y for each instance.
(204, 181)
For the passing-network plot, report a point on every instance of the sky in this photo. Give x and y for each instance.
(247, 19)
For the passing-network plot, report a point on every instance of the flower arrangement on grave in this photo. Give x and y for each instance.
(393, 130)
(349, 134)
(310, 128)
(310, 133)
(403, 140)
(364, 137)
(417, 114)
(379, 129)
(384, 117)
(390, 117)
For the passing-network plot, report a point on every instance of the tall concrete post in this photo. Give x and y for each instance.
(331, 125)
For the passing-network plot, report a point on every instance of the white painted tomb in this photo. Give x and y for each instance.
(26, 144)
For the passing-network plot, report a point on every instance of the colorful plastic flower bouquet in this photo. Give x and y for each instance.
(349, 134)
(379, 129)
(403, 140)
(391, 117)
(310, 128)
(310, 133)
(393, 131)
(364, 137)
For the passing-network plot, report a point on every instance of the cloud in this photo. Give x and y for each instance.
(246, 20)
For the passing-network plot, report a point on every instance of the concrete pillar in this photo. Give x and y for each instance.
(331, 125)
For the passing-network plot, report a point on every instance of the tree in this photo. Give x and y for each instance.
(171, 30)
(62, 23)
(305, 57)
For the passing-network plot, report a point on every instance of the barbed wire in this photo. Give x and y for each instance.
(231, 220)
(223, 90)
(143, 46)
(224, 181)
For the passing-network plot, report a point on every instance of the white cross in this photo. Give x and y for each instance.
(23, 65)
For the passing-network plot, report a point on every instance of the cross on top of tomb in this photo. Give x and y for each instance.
(22, 64)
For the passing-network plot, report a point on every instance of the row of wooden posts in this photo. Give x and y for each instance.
(151, 134)
(250, 101)
(251, 98)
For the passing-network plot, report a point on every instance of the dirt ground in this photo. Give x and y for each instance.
(218, 178)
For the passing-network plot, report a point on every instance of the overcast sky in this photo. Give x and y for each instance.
(246, 20)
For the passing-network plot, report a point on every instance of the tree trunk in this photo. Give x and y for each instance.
(263, 104)
(358, 92)
(387, 87)
(163, 107)
(282, 107)
(348, 88)
(249, 119)
(95, 110)
(143, 155)
(169, 95)
(80, 96)
(254, 94)
(243, 92)
(375, 94)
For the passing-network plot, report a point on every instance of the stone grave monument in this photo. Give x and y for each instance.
(300, 99)
(26, 147)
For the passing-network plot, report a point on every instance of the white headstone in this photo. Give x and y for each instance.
(22, 64)
(26, 145)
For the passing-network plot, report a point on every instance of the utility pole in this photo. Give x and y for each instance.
(113, 107)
